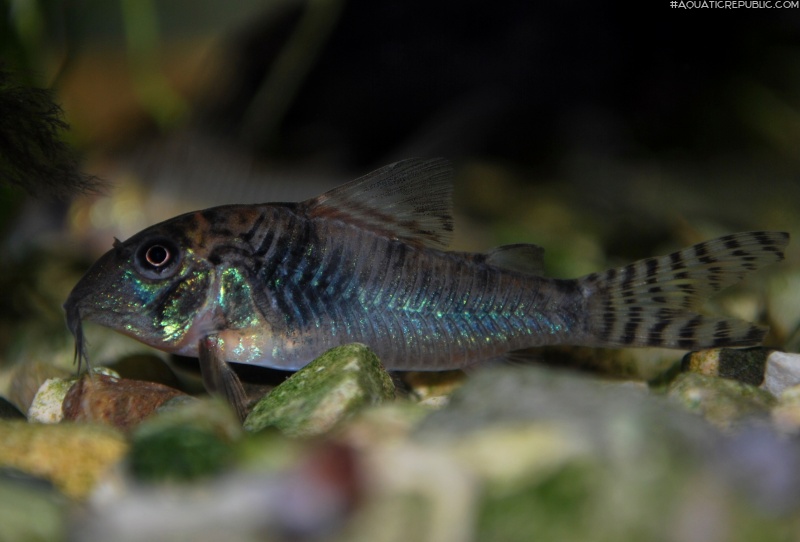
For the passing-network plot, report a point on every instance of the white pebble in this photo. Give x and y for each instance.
(46, 405)
(782, 371)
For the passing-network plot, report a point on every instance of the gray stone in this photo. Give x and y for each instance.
(561, 457)
(324, 392)
(783, 371)
(592, 409)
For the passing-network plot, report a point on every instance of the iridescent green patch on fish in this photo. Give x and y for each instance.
(178, 308)
(278, 284)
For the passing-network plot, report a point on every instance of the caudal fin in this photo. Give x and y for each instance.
(652, 302)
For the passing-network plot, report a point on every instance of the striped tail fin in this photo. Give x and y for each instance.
(652, 302)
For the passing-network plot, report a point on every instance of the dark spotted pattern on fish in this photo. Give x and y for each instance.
(652, 302)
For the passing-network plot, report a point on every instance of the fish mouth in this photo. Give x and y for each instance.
(79, 305)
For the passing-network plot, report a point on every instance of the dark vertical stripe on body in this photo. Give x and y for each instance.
(247, 236)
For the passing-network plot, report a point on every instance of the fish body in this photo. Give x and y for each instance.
(278, 284)
(280, 295)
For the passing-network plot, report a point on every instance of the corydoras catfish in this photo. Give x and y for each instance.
(277, 284)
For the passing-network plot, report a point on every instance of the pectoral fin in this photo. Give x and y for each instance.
(218, 377)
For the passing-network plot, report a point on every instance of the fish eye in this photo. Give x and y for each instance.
(157, 255)
(157, 258)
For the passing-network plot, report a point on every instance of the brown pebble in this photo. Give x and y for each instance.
(119, 402)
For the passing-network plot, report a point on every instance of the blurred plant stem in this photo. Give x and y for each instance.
(274, 97)
(155, 92)
(27, 20)
(23, 39)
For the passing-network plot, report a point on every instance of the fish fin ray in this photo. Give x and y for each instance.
(654, 302)
(218, 377)
(521, 257)
(410, 200)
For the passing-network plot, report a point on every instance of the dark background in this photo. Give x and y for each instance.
(604, 132)
(354, 83)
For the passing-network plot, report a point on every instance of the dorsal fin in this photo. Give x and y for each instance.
(410, 200)
(521, 257)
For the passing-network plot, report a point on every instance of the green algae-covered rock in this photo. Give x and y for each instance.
(557, 507)
(721, 401)
(327, 390)
(185, 441)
